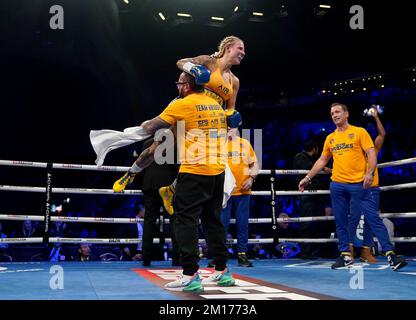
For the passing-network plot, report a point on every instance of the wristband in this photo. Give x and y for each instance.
(188, 66)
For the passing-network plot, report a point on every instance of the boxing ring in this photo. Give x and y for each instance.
(270, 279)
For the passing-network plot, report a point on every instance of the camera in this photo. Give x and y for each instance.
(369, 112)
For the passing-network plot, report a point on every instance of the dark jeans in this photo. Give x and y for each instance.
(239, 207)
(153, 204)
(199, 197)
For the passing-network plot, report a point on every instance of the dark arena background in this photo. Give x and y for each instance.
(112, 65)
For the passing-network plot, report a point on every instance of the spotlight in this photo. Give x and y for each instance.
(185, 15)
(321, 10)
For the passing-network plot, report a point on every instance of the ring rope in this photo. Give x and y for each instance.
(139, 192)
(70, 190)
(169, 240)
(110, 240)
(167, 221)
(72, 166)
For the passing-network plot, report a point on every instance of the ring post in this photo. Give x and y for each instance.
(273, 207)
(48, 203)
(161, 229)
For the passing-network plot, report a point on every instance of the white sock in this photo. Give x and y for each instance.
(135, 168)
(174, 184)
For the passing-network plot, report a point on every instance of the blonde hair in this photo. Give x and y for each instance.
(227, 41)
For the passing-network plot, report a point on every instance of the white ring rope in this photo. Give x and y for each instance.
(73, 166)
(69, 166)
(396, 163)
(139, 192)
(110, 240)
(393, 239)
(11, 217)
(70, 190)
(169, 240)
(399, 186)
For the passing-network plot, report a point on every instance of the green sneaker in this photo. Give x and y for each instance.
(195, 285)
(222, 279)
(186, 284)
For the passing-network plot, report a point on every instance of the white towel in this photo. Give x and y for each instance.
(229, 185)
(103, 141)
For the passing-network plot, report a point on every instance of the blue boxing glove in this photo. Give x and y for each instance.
(200, 73)
(234, 119)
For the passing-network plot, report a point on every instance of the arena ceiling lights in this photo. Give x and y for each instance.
(216, 13)
(321, 9)
(219, 13)
(209, 12)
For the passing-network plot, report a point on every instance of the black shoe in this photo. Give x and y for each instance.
(343, 261)
(211, 264)
(146, 263)
(243, 261)
(396, 262)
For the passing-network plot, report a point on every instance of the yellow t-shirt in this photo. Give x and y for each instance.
(240, 156)
(348, 150)
(376, 180)
(202, 133)
(217, 88)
